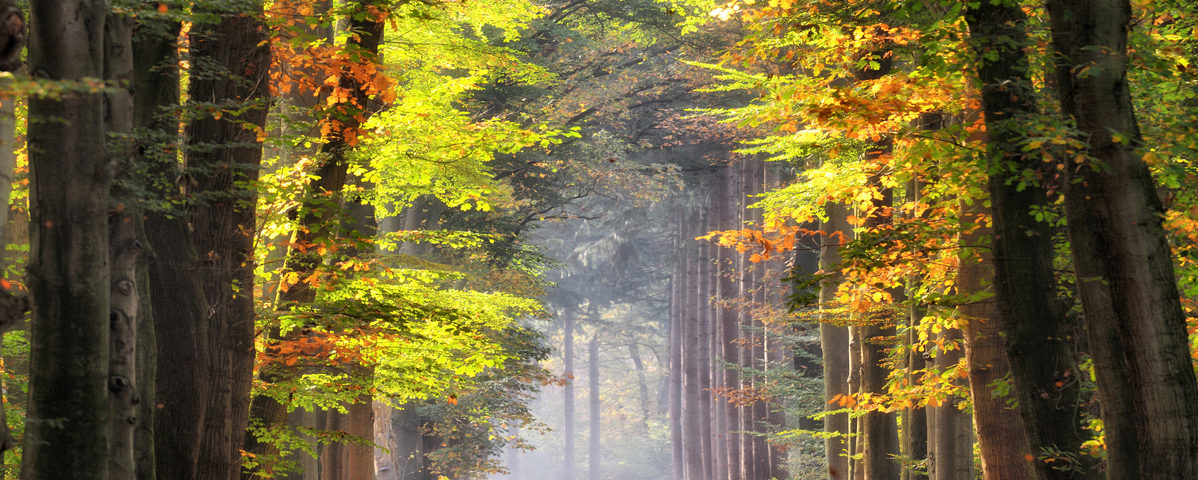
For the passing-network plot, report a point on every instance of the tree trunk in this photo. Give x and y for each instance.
(124, 222)
(1002, 440)
(222, 157)
(744, 291)
(702, 353)
(67, 431)
(568, 468)
(880, 429)
(350, 460)
(594, 442)
(1033, 321)
(856, 469)
(12, 307)
(834, 342)
(954, 428)
(320, 206)
(179, 308)
(728, 321)
(692, 442)
(1134, 319)
(677, 459)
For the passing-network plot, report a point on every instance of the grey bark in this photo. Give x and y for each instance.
(834, 341)
(124, 222)
(594, 442)
(568, 467)
(728, 320)
(67, 431)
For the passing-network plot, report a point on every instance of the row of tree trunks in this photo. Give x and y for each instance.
(718, 418)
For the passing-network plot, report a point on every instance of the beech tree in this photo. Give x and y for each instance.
(1125, 275)
(68, 431)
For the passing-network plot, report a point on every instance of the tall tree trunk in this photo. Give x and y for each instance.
(1002, 439)
(67, 431)
(319, 211)
(880, 429)
(1136, 326)
(568, 467)
(834, 341)
(223, 156)
(349, 461)
(954, 427)
(914, 435)
(702, 353)
(1032, 319)
(728, 320)
(12, 307)
(179, 307)
(124, 224)
(744, 291)
(856, 430)
(759, 417)
(913, 441)
(674, 381)
(692, 442)
(594, 457)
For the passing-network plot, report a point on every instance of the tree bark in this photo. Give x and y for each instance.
(880, 429)
(594, 456)
(348, 461)
(834, 341)
(1002, 439)
(222, 157)
(67, 430)
(702, 353)
(179, 309)
(674, 381)
(954, 428)
(728, 320)
(568, 468)
(1033, 321)
(692, 441)
(1133, 316)
(124, 223)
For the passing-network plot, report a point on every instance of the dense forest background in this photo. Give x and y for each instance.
(611, 239)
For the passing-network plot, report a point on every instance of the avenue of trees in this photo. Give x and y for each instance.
(634, 239)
